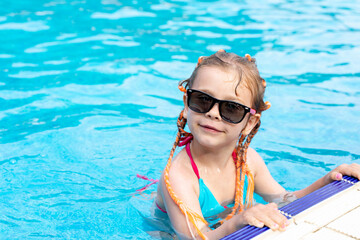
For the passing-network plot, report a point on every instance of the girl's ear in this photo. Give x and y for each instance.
(186, 108)
(253, 120)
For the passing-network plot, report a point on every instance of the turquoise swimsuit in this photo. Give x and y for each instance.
(210, 207)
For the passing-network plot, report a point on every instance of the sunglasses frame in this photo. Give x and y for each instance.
(220, 102)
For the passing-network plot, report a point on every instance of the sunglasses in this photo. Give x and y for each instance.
(230, 111)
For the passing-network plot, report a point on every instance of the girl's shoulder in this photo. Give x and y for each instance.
(181, 171)
(254, 160)
(253, 155)
(183, 182)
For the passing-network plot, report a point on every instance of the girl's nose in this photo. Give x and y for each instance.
(214, 112)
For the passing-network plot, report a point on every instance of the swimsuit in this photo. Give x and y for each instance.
(210, 207)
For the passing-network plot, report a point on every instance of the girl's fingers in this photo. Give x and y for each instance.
(336, 175)
(276, 221)
(345, 169)
(270, 223)
(267, 215)
(355, 170)
(255, 222)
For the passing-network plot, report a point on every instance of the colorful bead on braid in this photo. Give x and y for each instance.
(268, 105)
(181, 88)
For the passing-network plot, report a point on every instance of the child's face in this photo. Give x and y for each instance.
(208, 128)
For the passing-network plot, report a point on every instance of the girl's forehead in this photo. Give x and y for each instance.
(214, 76)
(222, 83)
(219, 74)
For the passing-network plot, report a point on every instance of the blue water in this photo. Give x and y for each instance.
(88, 99)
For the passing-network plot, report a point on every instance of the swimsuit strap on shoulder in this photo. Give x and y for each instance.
(196, 171)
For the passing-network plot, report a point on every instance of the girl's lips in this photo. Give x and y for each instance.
(210, 128)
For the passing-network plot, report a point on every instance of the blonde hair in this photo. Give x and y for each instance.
(248, 72)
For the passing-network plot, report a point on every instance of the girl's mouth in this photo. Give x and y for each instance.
(210, 128)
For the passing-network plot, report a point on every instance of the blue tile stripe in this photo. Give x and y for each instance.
(296, 207)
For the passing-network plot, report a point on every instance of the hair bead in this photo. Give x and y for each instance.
(248, 57)
(264, 83)
(268, 105)
(200, 59)
(181, 88)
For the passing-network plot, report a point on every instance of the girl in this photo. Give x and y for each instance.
(206, 190)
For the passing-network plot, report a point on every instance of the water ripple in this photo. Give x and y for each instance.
(49, 196)
(109, 39)
(122, 13)
(6, 56)
(32, 26)
(35, 74)
(22, 219)
(350, 105)
(112, 68)
(8, 223)
(21, 65)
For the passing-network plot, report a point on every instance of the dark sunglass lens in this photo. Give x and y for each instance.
(232, 112)
(200, 102)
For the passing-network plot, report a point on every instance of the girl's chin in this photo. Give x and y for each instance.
(210, 143)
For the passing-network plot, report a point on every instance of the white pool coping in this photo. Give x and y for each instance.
(336, 218)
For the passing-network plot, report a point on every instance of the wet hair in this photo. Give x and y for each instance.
(247, 72)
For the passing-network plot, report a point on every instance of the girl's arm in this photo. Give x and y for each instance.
(269, 189)
(336, 174)
(182, 183)
(265, 184)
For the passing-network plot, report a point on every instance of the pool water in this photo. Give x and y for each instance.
(89, 99)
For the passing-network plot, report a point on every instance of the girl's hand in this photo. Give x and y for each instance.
(265, 215)
(352, 170)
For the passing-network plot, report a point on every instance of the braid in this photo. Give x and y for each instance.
(181, 122)
(190, 215)
(241, 171)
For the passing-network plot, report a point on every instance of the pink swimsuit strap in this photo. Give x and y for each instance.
(196, 171)
(160, 208)
(193, 164)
